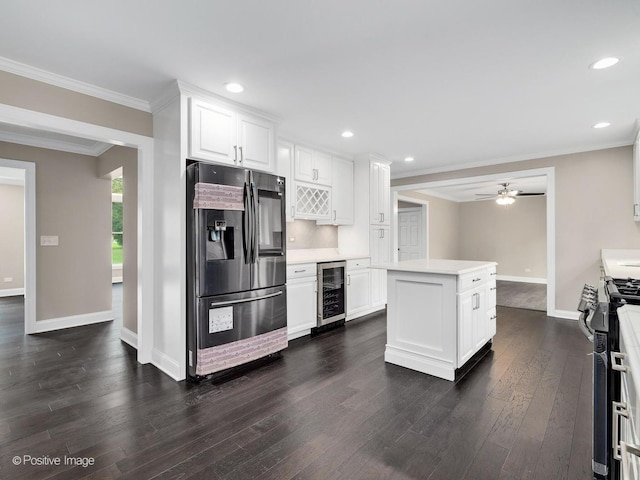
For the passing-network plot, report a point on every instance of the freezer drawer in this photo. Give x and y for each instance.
(230, 330)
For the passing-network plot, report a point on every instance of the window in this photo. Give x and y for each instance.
(116, 221)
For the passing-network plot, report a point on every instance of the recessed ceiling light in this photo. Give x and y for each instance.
(408, 159)
(601, 125)
(605, 63)
(234, 87)
(347, 134)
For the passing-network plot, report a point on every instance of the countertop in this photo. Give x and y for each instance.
(621, 263)
(317, 255)
(446, 267)
(629, 316)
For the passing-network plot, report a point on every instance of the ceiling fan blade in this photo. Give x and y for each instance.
(530, 194)
(486, 194)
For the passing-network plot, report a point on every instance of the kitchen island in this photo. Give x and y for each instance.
(440, 314)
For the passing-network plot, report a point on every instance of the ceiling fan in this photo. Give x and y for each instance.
(506, 195)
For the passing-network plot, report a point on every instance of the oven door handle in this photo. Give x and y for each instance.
(582, 323)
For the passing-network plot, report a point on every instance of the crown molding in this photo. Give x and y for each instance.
(95, 150)
(513, 159)
(34, 73)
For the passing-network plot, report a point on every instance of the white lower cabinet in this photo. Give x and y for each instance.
(358, 287)
(302, 299)
(380, 248)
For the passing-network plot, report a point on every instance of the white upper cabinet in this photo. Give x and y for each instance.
(284, 168)
(219, 134)
(380, 187)
(342, 192)
(312, 166)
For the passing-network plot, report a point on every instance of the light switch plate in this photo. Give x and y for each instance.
(8, 279)
(48, 240)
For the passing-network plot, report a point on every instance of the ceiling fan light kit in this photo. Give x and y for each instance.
(505, 200)
(506, 196)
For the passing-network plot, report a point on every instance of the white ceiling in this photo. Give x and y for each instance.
(449, 83)
(472, 191)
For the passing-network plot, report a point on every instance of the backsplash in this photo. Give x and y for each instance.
(309, 235)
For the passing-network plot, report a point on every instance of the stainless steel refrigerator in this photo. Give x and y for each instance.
(236, 267)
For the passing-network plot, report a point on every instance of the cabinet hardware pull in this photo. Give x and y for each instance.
(293, 211)
(382, 231)
(618, 366)
(476, 279)
(380, 234)
(348, 279)
(235, 153)
(493, 317)
(492, 273)
(334, 215)
(241, 156)
(492, 288)
(625, 450)
(299, 271)
(619, 410)
(380, 217)
(635, 209)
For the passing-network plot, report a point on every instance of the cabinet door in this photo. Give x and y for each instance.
(212, 134)
(342, 191)
(284, 168)
(480, 319)
(358, 291)
(255, 143)
(385, 193)
(301, 306)
(380, 253)
(304, 169)
(636, 180)
(323, 165)
(375, 215)
(466, 311)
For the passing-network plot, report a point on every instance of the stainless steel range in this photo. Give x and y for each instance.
(599, 321)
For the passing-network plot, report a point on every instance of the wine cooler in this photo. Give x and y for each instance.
(332, 292)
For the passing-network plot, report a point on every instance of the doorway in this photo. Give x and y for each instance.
(410, 233)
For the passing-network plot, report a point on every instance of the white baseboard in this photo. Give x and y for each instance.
(129, 337)
(167, 365)
(511, 278)
(59, 323)
(11, 292)
(568, 314)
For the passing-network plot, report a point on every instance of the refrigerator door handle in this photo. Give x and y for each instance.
(244, 300)
(254, 220)
(246, 225)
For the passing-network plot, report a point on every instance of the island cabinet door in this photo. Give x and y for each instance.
(480, 319)
(466, 315)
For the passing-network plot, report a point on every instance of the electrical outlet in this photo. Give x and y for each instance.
(8, 279)
(292, 239)
(49, 241)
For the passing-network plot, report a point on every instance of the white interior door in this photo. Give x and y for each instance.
(410, 241)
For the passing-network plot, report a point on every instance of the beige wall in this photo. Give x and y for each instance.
(444, 238)
(127, 158)
(514, 236)
(594, 197)
(41, 97)
(12, 236)
(310, 235)
(73, 278)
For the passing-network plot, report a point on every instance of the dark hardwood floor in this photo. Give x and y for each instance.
(329, 408)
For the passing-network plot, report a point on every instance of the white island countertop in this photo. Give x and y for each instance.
(621, 263)
(439, 266)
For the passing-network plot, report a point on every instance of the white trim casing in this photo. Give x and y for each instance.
(511, 278)
(72, 321)
(129, 337)
(146, 210)
(11, 292)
